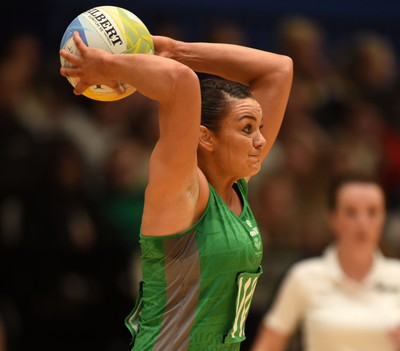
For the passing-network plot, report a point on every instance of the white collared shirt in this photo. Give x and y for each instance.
(335, 312)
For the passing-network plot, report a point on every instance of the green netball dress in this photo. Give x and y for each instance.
(197, 286)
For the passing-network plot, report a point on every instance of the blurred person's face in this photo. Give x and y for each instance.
(359, 216)
(377, 66)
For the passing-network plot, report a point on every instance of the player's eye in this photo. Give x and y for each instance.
(350, 212)
(248, 128)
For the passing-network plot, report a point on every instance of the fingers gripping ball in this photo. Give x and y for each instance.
(114, 30)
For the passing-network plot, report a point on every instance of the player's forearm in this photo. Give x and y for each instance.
(155, 77)
(234, 62)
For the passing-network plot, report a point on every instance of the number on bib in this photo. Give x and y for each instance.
(246, 285)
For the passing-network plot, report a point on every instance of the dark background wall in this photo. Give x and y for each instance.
(50, 18)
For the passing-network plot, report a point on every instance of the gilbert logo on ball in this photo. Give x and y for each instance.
(112, 29)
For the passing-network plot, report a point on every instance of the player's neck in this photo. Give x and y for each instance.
(356, 265)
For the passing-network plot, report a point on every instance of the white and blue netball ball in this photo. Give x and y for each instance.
(113, 29)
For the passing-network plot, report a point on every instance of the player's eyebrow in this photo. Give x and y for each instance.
(248, 117)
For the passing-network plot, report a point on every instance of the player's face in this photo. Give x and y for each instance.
(240, 142)
(359, 216)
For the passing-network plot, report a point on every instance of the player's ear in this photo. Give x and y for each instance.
(206, 138)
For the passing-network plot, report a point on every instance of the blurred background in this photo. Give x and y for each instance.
(73, 170)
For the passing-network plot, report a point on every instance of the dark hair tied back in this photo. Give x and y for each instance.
(215, 95)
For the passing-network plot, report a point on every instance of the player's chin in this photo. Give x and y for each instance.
(254, 168)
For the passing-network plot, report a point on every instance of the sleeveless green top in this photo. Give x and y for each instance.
(197, 285)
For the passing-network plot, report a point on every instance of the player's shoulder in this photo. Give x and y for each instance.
(392, 265)
(308, 267)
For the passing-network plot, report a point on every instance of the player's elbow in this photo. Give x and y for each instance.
(286, 67)
(184, 81)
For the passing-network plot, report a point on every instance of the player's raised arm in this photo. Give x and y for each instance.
(173, 164)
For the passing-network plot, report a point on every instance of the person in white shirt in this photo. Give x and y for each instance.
(349, 298)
